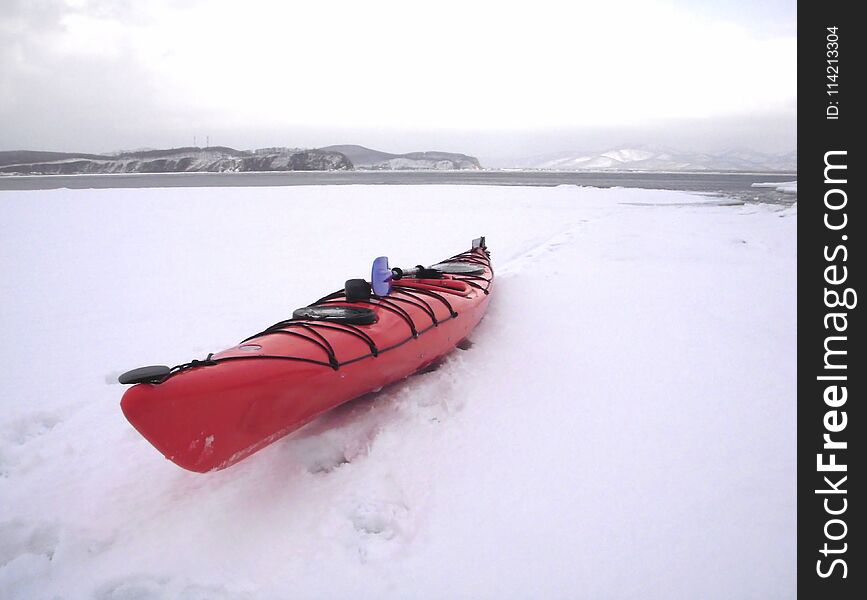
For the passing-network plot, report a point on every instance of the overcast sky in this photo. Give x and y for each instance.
(489, 78)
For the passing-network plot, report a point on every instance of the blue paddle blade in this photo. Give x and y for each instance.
(380, 276)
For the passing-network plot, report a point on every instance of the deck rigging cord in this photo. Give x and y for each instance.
(311, 330)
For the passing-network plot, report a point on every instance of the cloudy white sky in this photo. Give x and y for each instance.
(482, 77)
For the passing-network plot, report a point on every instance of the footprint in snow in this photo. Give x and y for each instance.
(133, 588)
(378, 527)
(23, 429)
(559, 240)
(145, 587)
(538, 250)
(322, 458)
(18, 537)
(378, 518)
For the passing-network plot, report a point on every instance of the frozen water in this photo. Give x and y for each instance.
(621, 425)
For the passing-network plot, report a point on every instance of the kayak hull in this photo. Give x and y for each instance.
(213, 415)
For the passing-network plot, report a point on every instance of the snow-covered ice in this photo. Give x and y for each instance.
(623, 425)
(786, 187)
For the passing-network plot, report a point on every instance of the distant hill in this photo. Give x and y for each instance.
(18, 157)
(647, 159)
(222, 158)
(366, 158)
(173, 160)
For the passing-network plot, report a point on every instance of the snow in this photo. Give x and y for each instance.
(635, 159)
(623, 425)
(786, 187)
(628, 155)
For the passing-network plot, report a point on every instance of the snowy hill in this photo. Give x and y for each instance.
(639, 159)
(623, 425)
(180, 160)
(365, 158)
(221, 159)
(23, 157)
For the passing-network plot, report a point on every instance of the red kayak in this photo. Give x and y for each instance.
(209, 414)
